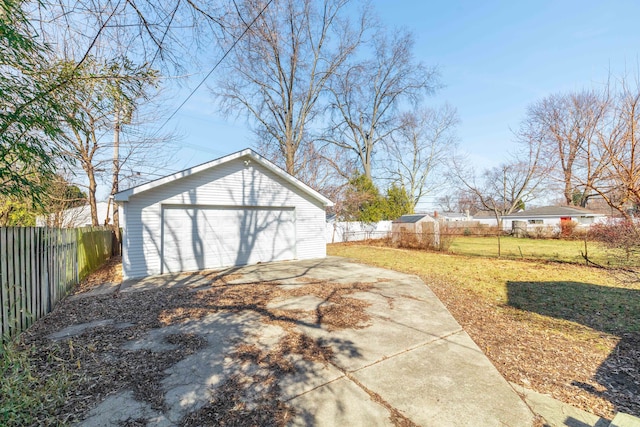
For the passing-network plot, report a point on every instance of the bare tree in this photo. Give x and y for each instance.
(416, 151)
(506, 188)
(160, 33)
(35, 94)
(591, 138)
(619, 150)
(365, 96)
(567, 126)
(278, 71)
(462, 200)
(96, 104)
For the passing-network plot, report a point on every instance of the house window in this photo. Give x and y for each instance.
(536, 221)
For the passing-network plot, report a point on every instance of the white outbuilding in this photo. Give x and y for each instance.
(236, 210)
(419, 229)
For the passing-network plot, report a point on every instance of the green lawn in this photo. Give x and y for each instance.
(543, 249)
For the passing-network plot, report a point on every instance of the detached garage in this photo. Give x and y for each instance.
(237, 210)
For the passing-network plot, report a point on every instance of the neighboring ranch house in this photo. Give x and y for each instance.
(551, 217)
(237, 210)
(421, 227)
(453, 216)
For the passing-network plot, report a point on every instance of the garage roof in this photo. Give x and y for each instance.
(123, 196)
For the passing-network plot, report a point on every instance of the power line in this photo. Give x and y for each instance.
(215, 66)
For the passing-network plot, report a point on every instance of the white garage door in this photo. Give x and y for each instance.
(196, 238)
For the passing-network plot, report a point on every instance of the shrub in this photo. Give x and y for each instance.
(426, 240)
(617, 235)
(567, 229)
(544, 232)
(446, 240)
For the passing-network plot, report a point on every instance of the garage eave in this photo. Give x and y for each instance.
(124, 196)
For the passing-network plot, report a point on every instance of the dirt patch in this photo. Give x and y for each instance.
(100, 365)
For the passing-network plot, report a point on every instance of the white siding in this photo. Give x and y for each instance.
(230, 184)
(225, 236)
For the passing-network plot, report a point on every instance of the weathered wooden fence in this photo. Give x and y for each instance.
(38, 267)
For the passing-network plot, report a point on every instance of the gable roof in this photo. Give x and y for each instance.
(553, 211)
(123, 196)
(411, 219)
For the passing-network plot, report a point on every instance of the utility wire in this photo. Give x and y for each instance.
(215, 66)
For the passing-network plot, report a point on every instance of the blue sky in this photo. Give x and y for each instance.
(495, 58)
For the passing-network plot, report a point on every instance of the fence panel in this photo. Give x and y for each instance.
(94, 247)
(352, 231)
(39, 266)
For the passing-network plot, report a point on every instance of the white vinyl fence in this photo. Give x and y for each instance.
(353, 231)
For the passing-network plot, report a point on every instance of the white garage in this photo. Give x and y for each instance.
(237, 210)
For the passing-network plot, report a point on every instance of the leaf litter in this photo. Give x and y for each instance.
(101, 366)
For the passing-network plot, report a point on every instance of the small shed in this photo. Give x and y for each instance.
(419, 228)
(236, 210)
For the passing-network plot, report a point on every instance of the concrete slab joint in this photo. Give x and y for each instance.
(412, 362)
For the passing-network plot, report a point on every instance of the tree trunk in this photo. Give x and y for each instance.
(366, 158)
(92, 197)
(568, 194)
(290, 160)
(114, 186)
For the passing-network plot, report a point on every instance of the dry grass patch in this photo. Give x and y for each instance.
(566, 330)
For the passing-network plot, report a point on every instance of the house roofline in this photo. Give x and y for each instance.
(553, 211)
(552, 215)
(123, 196)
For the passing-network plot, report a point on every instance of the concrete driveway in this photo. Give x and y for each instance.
(407, 363)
